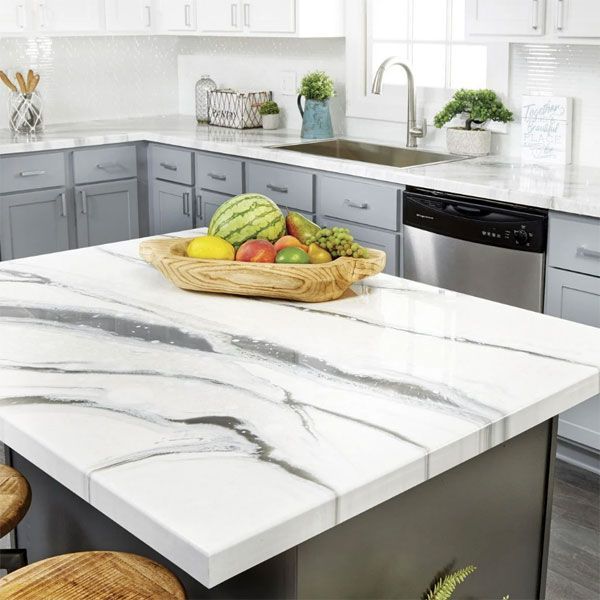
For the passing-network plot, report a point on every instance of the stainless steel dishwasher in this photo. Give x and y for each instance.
(486, 249)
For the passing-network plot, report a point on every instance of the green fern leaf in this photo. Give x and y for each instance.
(445, 587)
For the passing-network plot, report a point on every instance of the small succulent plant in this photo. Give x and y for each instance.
(480, 106)
(317, 86)
(269, 108)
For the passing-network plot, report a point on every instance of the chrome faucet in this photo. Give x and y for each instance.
(412, 131)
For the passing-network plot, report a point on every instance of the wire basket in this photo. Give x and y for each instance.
(25, 112)
(239, 110)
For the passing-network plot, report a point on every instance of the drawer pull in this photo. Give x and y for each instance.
(199, 206)
(63, 204)
(32, 173)
(84, 205)
(218, 177)
(108, 166)
(361, 205)
(277, 188)
(588, 253)
(168, 166)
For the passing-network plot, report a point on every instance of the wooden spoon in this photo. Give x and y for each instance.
(9, 84)
(21, 82)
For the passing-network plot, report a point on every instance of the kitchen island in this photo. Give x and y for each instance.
(274, 449)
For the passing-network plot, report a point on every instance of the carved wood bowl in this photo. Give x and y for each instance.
(303, 283)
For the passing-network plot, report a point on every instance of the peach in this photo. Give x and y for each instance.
(289, 241)
(256, 251)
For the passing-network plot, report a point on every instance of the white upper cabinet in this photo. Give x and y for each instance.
(270, 16)
(220, 16)
(69, 15)
(15, 16)
(577, 18)
(176, 16)
(505, 17)
(129, 15)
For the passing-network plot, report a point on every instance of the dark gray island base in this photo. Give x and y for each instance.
(492, 511)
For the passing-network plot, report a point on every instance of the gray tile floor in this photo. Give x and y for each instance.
(574, 561)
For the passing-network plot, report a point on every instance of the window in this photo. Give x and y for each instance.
(429, 35)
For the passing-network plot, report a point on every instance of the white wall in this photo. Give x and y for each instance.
(85, 78)
(255, 64)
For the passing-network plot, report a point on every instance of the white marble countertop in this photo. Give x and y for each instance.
(222, 431)
(572, 189)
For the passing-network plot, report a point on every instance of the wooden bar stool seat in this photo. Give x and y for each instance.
(92, 576)
(15, 499)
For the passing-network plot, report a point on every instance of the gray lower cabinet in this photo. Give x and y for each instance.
(172, 206)
(33, 223)
(106, 212)
(576, 297)
(209, 202)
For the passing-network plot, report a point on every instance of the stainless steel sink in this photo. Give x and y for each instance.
(371, 153)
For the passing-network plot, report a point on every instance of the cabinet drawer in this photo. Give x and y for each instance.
(32, 172)
(105, 164)
(361, 202)
(574, 243)
(372, 238)
(219, 174)
(290, 188)
(172, 164)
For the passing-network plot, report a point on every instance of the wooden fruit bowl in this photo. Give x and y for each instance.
(304, 283)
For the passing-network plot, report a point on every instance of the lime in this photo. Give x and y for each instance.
(211, 247)
(292, 256)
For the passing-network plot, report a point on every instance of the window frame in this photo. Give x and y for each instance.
(362, 104)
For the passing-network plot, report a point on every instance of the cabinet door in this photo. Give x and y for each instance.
(33, 223)
(270, 16)
(172, 206)
(129, 15)
(69, 15)
(15, 16)
(107, 212)
(509, 17)
(576, 297)
(219, 16)
(177, 15)
(207, 205)
(578, 18)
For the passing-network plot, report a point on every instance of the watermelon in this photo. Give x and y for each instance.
(248, 217)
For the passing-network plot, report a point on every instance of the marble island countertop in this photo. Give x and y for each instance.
(222, 431)
(573, 189)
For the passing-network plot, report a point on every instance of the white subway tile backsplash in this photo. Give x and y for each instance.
(85, 78)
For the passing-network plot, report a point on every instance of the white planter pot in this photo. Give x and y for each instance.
(474, 142)
(270, 121)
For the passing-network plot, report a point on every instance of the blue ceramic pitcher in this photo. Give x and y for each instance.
(316, 119)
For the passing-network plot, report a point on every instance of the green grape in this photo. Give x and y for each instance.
(338, 241)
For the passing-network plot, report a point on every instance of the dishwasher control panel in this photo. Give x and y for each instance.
(471, 219)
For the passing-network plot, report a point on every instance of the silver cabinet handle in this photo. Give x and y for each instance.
(32, 173)
(560, 15)
(588, 252)
(108, 166)
(187, 208)
(277, 188)
(183, 207)
(218, 177)
(246, 15)
(148, 16)
(63, 204)
(168, 166)
(535, 14)
(199, 206)
(84, 204)
(188, 17)
(361, 205)
(234, 12)
(21, 16)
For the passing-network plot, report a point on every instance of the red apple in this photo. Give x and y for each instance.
(288, 241)
(256, 251)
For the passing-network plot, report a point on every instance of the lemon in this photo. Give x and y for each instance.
(211, 247)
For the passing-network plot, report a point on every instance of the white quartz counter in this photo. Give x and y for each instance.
(222, 431)
(569, 189)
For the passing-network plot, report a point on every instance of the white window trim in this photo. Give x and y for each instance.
(362, 104)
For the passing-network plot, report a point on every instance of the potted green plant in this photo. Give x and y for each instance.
(270, 114)
(318, 89)
(478, 107)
